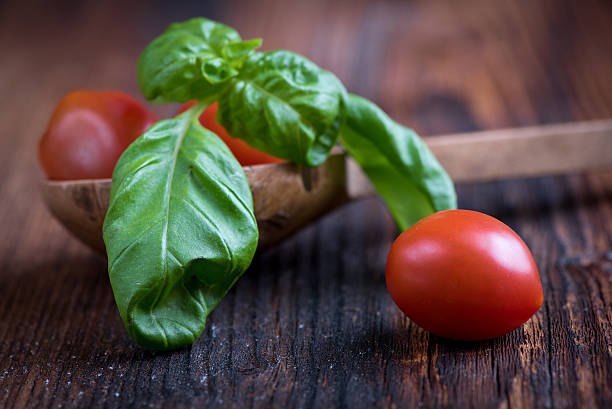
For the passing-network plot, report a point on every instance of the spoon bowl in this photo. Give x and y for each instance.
(285, 198)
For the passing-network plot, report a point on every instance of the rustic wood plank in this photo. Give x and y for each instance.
(310, 324)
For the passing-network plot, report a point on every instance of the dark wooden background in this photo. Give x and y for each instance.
(311, 324)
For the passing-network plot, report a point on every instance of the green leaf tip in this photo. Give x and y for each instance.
(403, 170)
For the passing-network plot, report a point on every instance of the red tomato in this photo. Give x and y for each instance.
(87, 133)
(463, 275)
(246, 155)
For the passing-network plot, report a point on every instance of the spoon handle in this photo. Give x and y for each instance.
(512, 153)
(525, 152)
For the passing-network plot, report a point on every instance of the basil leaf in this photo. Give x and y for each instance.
(179, 231)
(401, 167)
(191, 60)
(283, 104)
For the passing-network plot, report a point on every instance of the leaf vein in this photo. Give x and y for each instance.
(229, 252)
(199, 303)
(299, 114)
(167, 196)
(133, 242)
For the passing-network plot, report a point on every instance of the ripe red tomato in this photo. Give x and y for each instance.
(87, 133)
(246, 155)
(463, 275)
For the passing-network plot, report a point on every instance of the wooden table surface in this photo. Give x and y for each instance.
(311, 324)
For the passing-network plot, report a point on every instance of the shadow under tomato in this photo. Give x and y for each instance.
(411, 355)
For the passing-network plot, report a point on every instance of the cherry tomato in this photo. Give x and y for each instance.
(87, 133)
(463, 275)
(246, 155)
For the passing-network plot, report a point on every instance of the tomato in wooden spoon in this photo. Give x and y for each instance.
(88, 131)
(246, 155)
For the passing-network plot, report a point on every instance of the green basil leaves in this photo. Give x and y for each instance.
(278, 102)
(179, 231)
(191, 60)
(401, 167)
(285, 105)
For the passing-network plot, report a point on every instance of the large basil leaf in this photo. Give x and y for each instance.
(191, 60)
(179, 231)
(285, 105)
(401, 167)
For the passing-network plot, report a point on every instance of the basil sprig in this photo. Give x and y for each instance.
(191, 60)
(181, 229)
(285, 105)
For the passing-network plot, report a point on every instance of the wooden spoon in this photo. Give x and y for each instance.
(287, 197)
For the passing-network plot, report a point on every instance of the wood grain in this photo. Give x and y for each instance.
(311, 324)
